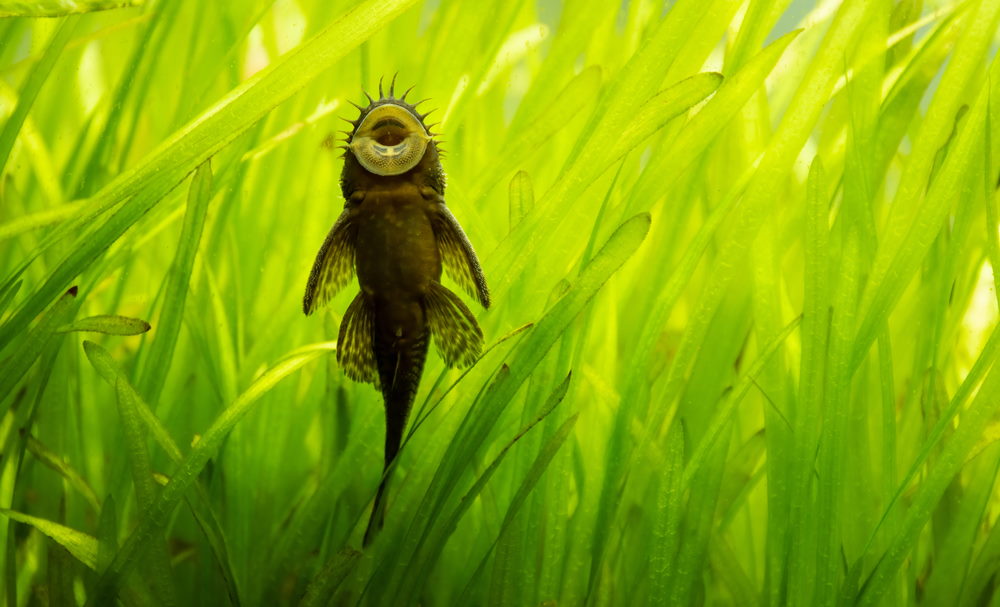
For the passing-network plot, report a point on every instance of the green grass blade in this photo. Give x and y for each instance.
(109, 324)
(44, 455)
(885, 285)
(800, 568)
(722, 417)
(58, 8)
(156, 362)
(538, 467)
(145, 490)
(83, 547)
(945, 583)
(111, 372)
(952, 457)
(667, 519)
(325, 584)
(33, 85)
(522, 198)
(20, 359)
(7, 294)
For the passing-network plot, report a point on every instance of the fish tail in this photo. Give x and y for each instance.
(400, 367)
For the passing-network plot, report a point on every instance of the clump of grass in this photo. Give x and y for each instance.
(744, 326)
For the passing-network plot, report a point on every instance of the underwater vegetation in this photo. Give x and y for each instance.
(741, 342)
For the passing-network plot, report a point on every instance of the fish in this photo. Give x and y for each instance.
(396, 234)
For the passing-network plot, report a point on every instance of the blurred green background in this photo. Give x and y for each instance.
(741, 352)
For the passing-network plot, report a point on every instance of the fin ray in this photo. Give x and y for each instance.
(334, 265)
(453, 327)
(458, 257)
(355, 351)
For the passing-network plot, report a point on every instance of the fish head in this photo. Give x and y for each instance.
(389, 137)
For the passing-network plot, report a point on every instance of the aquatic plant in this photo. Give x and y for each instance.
(742, 340)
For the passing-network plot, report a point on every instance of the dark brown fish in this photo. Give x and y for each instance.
(397, 234)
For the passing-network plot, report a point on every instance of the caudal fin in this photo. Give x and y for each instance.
(400, 364)
(459, 340)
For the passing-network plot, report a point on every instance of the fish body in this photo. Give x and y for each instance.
(397, 235)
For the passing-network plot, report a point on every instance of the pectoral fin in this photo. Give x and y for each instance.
(334, 265)
(453, 327)
(355, 348)
(458, 257)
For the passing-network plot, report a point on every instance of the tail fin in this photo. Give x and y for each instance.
(459, 340)
(399, 368)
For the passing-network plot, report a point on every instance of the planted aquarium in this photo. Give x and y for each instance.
(579, 303)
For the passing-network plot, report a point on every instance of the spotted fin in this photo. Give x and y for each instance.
(334, 265)
(355, 349)
(453, 327)
(457, 255)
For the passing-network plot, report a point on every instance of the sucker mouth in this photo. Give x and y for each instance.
(390, 135)
(390, 141)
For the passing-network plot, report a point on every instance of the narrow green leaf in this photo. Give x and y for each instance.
(58, 8)
(135, 447)
(959, 538)
(21, 358)
(323, 586)
(39, 74)
(156, 362)
(538, 467)
(950, 461)
(60, 465)
(107, 323)
(41, 219)
(145, 490)
(424, 412)
(663, 107)
(107, 533)
(696, 528)
(722, 417)
(812, 371)
(553, 401)
(983, 570)
(833, 447)
(890, 276)
(522, 198)
(667, 518)
(7, 294)
(109, 370)
(83, 547)
(60, 576)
